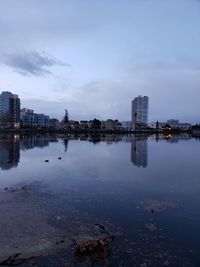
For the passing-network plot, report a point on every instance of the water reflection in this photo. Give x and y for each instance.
(11, 145)
(139, 151)
(96, 186)
(175, 138)
(9, 152)
(29, 142)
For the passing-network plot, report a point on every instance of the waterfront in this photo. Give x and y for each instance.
(143, 191)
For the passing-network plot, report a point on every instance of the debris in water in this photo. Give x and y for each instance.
(156, 206)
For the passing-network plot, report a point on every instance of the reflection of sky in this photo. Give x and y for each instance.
(69, 53)
(101, 184)
(172, 167)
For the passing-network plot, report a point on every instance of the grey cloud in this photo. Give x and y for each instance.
(172, 95)
(178, 63)
(31, 62)
(45, 21)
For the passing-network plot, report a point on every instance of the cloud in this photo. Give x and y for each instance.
(178, 63)
(31, 62)
(172, 95)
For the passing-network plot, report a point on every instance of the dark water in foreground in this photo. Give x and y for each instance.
(144, 191)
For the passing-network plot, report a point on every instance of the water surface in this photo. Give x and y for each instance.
(144, 190)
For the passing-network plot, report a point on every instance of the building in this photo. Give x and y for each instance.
(9, 109)
(54, 123)
(111, 125)
(74, 124)
(128, 125)
(84, 124)
(31, 119)
(140, 107)
(173, 124)
(42, 120)
(28, 118)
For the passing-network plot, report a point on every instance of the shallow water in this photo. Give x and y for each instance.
(144, 190)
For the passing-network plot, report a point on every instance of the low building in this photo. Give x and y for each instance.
(173, 124)
(111, 125)
(31, 119)
(127, 125)
(74, 124)
(84, 124)
(54, 123)
(42, 120)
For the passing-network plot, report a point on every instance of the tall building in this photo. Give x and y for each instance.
(9, 108)
(140, 107)
(15, 109)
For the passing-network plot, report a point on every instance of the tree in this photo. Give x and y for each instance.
(157, 124)
(167, 126)
(66, 117)
(96, 124)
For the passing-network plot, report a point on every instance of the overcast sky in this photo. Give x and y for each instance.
(94, 56)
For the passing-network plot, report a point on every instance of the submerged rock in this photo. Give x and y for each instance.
(14, 260)
(156, 206)
(98, 249)
(100, 228)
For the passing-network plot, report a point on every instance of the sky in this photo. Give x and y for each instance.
(93, 57)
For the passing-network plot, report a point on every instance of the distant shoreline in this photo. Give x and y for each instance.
(93, 131)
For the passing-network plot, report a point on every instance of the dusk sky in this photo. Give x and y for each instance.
(94, 56)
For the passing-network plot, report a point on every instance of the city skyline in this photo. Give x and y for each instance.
(12, 111)
(95, 56)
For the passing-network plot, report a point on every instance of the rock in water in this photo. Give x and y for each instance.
(97, 249)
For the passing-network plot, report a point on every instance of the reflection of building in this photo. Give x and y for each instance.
(171, 138)
(9, 152)
(29, 142)
(139, 153)
(140, 106)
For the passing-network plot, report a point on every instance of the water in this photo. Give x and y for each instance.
(145, 191)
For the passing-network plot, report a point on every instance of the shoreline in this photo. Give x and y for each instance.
(93, 131)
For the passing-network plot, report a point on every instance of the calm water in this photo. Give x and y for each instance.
(144, 191)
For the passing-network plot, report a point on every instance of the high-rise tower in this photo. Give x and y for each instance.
(140, 107)
(9, 107)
